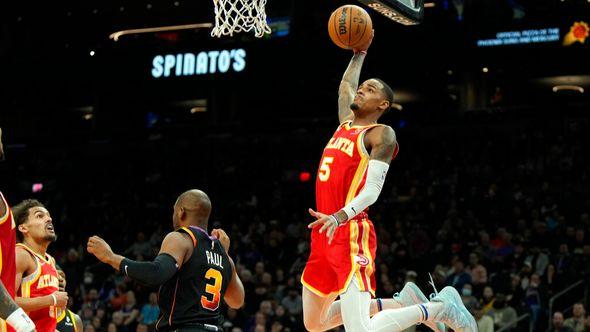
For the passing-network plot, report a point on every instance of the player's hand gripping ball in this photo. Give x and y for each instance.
(350, 27)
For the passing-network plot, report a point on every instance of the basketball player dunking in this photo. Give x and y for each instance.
(37, 281)
(9, 311)
(343, 244)
(193, 268)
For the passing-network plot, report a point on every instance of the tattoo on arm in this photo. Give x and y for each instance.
(348, 86)
(384, 145)
(7, 305)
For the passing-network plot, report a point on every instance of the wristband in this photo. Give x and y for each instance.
(335, 219)
(54, 299)
(20, 321)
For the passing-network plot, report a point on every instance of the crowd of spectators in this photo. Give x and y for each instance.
(497, 208)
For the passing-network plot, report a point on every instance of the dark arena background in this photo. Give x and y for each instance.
(490, 192)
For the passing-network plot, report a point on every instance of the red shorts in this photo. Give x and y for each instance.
(330, 268)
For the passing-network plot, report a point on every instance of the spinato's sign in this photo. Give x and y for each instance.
(207, 62)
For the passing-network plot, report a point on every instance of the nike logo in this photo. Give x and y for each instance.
(126, 270)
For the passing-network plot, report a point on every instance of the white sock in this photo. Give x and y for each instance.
(432, 309)
(355, 306)
(385, 304)
(333, 317)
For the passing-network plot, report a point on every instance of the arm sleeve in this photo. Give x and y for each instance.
(153, 273)
(376, 172)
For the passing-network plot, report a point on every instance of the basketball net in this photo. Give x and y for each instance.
(234, 16)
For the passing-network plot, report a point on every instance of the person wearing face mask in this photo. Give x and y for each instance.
(503, 314)
(467, 296)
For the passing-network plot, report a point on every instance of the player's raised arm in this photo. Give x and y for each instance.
(350, 83)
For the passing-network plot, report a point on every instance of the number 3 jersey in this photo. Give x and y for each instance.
(194, 294)
(343, 168)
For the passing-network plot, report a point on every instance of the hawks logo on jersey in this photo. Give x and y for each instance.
(343, 167)
(43, 281)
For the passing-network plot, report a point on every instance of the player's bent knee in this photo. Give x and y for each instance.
(312, 324)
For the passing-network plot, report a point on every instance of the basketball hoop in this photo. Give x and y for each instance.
(406, 12)
(234, 16)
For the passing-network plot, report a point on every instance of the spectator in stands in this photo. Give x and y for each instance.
(130, 312)
(515, 293)
(459, 277)
(467, 296)
(487, 300)
(485, 323)
(557, 324)
(140, 249)
(150, 311)
(120, 297)
(503, 314)
(117, 320)
(534, 297)
(292, 302)
(578, 321)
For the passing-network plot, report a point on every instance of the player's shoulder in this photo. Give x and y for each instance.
(382, 132)
(183, 236)
(23, 256)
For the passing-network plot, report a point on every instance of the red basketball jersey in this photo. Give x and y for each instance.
(7, 253)
(343, 168)
(42, 282)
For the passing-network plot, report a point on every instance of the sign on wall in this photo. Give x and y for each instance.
(203, 63)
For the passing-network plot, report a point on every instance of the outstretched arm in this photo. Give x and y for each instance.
(175, 248)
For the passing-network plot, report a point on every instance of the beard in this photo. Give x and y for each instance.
(50, 237)
(354, 107)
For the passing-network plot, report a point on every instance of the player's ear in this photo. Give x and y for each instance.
(22, 228)
(384, 105)
(182, 214)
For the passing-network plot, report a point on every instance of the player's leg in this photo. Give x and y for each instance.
(446, 308)
(323, 313)
(318, 314)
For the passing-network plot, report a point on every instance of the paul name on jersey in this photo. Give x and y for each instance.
(214, 259)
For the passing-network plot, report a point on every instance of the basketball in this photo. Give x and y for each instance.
(350, 27)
